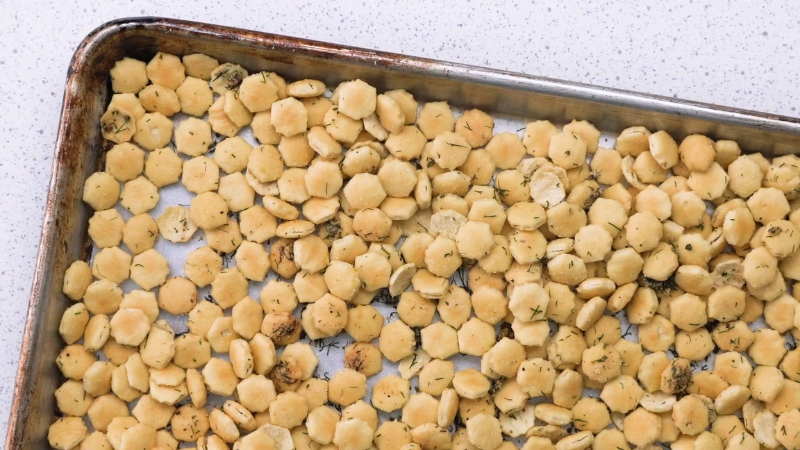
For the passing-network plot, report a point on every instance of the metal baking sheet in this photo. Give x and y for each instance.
(511, 96)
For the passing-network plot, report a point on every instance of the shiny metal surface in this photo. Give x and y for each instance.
(80, 148)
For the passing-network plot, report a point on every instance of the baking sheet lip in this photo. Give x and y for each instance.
(477, 74)
(24, 383)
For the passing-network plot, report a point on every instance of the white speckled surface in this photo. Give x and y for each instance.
(723, 52)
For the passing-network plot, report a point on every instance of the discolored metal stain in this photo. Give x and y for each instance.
(79, 146)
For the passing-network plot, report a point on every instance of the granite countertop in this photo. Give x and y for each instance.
(722, 52)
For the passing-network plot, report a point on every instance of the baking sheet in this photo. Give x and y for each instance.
(79, 144)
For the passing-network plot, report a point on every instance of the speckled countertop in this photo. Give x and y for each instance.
(724, 52)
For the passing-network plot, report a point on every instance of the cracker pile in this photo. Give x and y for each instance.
(512, 251)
